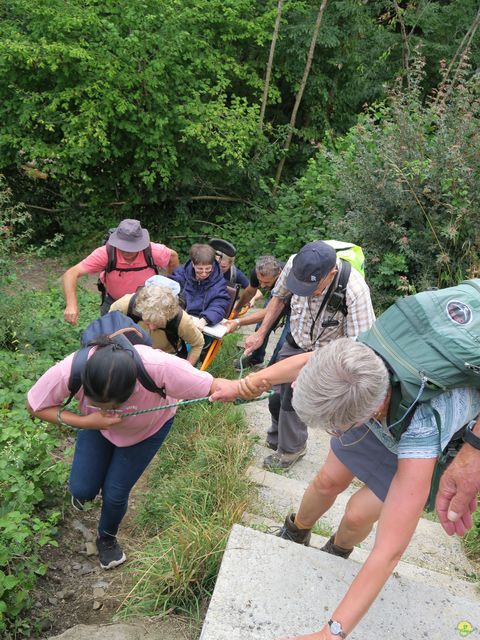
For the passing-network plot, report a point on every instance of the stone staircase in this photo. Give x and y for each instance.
(270, 588)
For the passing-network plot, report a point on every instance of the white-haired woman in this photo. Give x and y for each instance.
(156, 309)
(345, 388)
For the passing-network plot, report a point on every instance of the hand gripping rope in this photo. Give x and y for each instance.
(185, 402)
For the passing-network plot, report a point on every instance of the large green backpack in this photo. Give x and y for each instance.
(431, 343)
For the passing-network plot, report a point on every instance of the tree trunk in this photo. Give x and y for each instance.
(299, 95)
(270, 64)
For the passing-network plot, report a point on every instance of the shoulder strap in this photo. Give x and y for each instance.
(112, 258)
(171, 329)
(80, 360)
(147, 254)
(233, 274)
(336, 301)
(131, 308)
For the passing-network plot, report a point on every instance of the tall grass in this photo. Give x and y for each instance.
(196, 491)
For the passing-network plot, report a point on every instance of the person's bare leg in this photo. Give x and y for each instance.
(332, 478)
(361, 512)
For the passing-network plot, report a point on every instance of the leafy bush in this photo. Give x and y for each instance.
(33, 466)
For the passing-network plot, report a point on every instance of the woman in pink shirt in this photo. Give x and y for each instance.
(112, 451)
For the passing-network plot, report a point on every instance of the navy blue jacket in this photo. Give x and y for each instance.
(207, 298)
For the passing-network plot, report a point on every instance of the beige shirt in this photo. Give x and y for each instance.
(307, 330)
(186, 330)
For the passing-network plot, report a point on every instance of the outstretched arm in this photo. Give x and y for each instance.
(70, 279)
(273, 309)
(459, 488)
(247, 294)
(256, 383)
(398, 520)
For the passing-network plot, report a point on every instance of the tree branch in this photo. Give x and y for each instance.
(299, 95)
(270, 64)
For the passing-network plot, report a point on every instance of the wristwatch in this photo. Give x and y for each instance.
(336, 629)
(470, 438)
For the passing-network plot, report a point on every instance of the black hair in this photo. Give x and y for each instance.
(110, 374)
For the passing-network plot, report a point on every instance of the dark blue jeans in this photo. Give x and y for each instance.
(100, 465)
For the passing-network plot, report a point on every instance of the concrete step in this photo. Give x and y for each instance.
(430, 547)
(456, 586)
(270, 588)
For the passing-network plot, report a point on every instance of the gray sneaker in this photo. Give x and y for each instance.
(280, 460)
(110, 553)
(291, 532)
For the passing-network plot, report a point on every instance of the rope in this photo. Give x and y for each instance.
(185, 402)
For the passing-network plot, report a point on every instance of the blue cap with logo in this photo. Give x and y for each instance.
(312, 264)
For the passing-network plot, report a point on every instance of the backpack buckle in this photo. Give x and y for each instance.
(473, 367)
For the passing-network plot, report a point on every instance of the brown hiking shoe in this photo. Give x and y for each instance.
(279, 460)
(335, 550)
(291, 532)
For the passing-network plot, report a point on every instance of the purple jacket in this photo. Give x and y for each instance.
(208, 298)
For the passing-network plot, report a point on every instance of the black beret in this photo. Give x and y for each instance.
(222, 245)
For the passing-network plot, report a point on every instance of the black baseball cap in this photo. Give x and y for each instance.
(312, 263)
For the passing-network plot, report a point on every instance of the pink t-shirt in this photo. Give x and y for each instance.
(180, 379)
(119, 283)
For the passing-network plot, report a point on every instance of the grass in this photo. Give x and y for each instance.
(196, 491)
(472, 540)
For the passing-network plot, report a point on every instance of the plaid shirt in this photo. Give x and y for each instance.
(307, 331)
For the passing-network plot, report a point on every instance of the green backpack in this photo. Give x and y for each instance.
(430, 343)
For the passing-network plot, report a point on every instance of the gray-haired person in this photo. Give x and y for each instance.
(304, 285)
(345, 388)
(264, 276)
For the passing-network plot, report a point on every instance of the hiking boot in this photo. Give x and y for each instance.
(335, 550)
(78, 503)
(246, 363)
(291, 532)
(279, 460)
(110, 553)
(269, 445)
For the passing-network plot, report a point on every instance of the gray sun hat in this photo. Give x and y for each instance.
(129, 236)
(312, 263)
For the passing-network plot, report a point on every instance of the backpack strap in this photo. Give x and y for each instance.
(337, 299)
(334, 300)
(171, 331)
(233, 274)
(79, 363)
(131, 313)
(147, 254)
(112, 258)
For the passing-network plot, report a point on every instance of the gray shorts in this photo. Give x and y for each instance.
(367, 458)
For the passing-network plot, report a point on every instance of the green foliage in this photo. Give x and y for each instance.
(409, 182)
(472, 540)
(115, 109)
(32, 480)
(33, 465)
